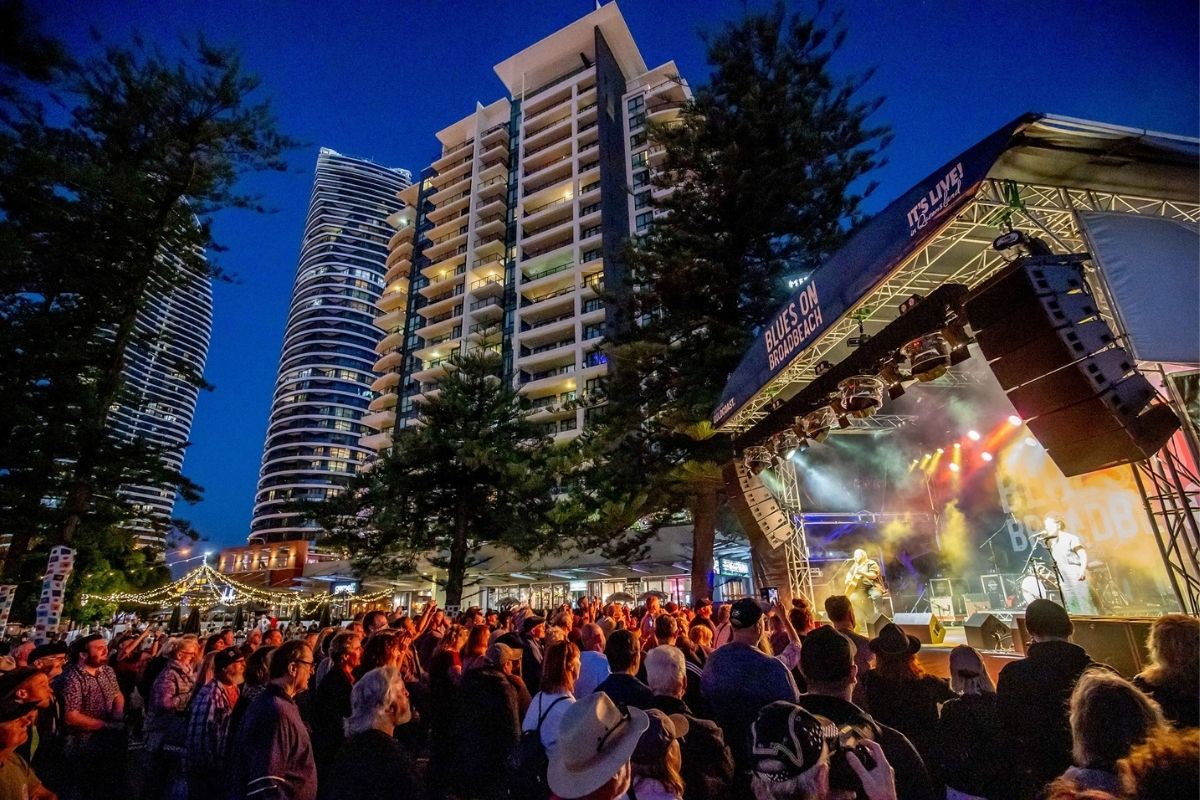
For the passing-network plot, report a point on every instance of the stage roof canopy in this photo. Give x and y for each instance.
(1038, 173)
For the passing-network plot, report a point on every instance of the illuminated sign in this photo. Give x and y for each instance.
(345, 588)
(727, 566)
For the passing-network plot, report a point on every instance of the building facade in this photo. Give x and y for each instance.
(518, 226)
(159, 389)
(325, 373)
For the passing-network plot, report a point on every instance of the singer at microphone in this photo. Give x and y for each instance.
(1071, 558)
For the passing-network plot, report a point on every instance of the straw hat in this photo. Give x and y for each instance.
(595, 739)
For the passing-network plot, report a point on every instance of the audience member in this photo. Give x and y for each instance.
(593, 664)
(596, 740)
(487, 726)
(969, 761)
(1164, 767)
(371, 764)
(840, 611)
(622, 686)
(656, 761)
(1173, 677)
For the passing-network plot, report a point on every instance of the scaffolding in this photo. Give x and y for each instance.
(796, 551)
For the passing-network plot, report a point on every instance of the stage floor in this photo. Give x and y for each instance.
(935, 658)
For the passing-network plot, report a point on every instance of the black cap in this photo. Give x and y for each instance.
(827, 656)
(1047, 618)
(787, 741)
(224, 658)
(745, 613)
(47, 650)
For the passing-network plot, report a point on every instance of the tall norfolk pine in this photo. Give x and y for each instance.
(765, 165)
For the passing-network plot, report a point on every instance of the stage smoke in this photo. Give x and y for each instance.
(956, 537)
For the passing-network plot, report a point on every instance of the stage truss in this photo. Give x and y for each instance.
(961, 252)
(796, 552)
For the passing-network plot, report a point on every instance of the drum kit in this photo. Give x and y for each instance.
(1039, 580)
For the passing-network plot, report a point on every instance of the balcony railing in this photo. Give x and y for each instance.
(479, 284)
(532, 351)
(529, 212)
(531, 232)
(533, 276)
(550, 144)
(565, 369)
(532, 326)
(529, 301)
(526, 255)
(491, 301)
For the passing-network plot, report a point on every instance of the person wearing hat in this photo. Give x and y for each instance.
(739, 679)
(486, 726)
(1032, 696)
(596, 740)
(531, 633)
(17, 778)
(789, 758)
(207, 738)
(50, 727)
(899, 693)
(830, 668)
(657, 762)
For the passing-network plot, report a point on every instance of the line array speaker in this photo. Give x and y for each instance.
(1080, 394)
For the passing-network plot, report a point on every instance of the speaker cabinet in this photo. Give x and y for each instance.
(876, 623)
(986, 632)
(766, 526)
(1120, 643)
(1081, 396)
(926, 627)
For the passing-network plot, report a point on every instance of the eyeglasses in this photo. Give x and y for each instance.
(625, 717)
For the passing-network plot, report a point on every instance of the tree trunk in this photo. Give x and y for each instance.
(456, 571)
(704, 534)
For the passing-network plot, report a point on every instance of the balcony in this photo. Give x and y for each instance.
(548, 326)
(561, 134)
(393, 300)
(387, 382)
(533, 274)
(383, 402)
(486, 307)
(493, 223)
(533, 300)
(387, 361)
(447, 160)
(432, 370)
(537, 111)
(662, 110)
(442, 323)
(378, 442)
(452, 172)
(401, 269)
(496, 133)
(403, 234)
(551, 222)
(447, 262)
(547, 158)
(535, 210)
(390, 342)
(488, 286)
(438, 345)
(380, 419)
(449, 208)
(492, 189)
(555, 178)
(389, 320)
(531, 379)
(483, 330)
(528, 253)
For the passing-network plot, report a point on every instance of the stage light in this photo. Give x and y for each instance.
(822, 367)
(957, 445)
(894, 378)
(910, 303)
(928, 357)
(787, 443)
(973, 436)
(862, 395)
(1014, 420)
(757, 459)
(954, 467)
(817, 424)
(939, 451)
(986, 456)
(1032, 442)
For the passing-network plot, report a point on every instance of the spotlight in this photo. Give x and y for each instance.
(1032, 442)
(973, 436)
(940, 451)
(954, 467)
(957, 446)
(757, 459)
(817, 424)
(787, 443)
(894, 378)
(1014, 420)
(861, 395)
(822, 367)
(910, 303)
(986, 456)
(928, 356)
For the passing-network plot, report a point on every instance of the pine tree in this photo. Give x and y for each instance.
(764, 169)
(109, 177)
(473, 470)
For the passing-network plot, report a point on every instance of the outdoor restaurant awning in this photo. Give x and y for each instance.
(1037, 149)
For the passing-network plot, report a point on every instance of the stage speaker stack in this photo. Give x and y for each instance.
(986, 632)
(926, 627)
(1120, 643)
(875, 624)
(766, 524)
(1082, 397)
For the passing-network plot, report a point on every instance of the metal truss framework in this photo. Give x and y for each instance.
(1169, 489)
(961, 252)
(796, 553)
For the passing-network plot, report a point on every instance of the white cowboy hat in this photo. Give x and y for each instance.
(595, 739)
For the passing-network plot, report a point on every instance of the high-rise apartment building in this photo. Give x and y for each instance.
(517, 227)
(325, 369)
(159, 391)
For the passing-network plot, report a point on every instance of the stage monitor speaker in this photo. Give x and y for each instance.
(1041, 331)
(986, 632)
(1120, 643)
(974, 603)
(926, 627)
(876, 623)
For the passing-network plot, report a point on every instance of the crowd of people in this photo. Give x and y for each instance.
(661, 702)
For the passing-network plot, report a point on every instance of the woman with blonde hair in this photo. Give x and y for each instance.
(1109, 717)
(702, 638)
(657, 760)
(1173, 677)
(968, 730)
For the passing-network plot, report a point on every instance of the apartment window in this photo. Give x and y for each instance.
(638, 139)
(642, 221)
(639, 159)
(593, 332)
(636, 121)
(636, 104)
(641, 179)
(641, 200)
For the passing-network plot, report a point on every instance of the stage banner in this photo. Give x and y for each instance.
(7, 592)
(870, 256)
(54, 589)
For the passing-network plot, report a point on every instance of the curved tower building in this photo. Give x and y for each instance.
(325, 368)
(159, 391)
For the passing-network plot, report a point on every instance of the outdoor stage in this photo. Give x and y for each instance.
(999, 345)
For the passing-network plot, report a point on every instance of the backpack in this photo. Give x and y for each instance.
(530, 762)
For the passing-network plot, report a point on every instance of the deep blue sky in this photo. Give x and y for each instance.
(377, 79)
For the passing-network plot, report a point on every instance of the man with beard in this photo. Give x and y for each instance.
(94, 712)
(208, 725)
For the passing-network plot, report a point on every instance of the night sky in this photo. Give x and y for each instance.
(377, 79)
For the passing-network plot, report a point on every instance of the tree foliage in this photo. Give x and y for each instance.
(763, 173)
(110, 172)
(473, 470)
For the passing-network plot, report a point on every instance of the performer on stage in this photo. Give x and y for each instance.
(865, 586)
(1071, 559)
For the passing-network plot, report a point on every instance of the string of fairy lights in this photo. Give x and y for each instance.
(205, 588)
